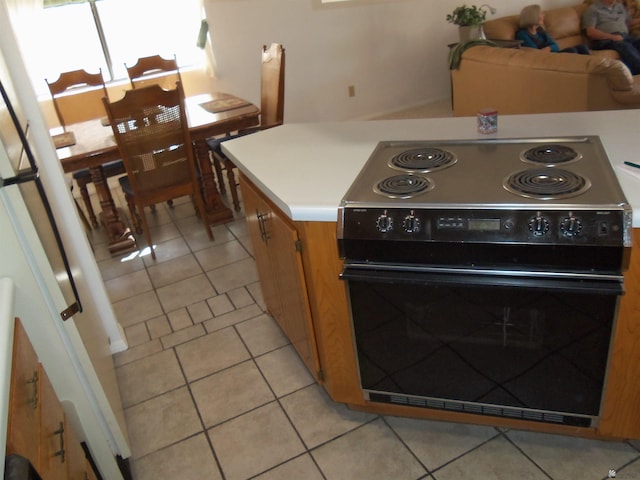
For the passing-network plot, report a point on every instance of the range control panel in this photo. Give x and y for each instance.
(487, 225)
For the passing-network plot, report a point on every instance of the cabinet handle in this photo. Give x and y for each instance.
(34, 382)
(60, 453)
(262, 217)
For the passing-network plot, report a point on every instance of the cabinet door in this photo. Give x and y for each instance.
(279, 264)
(257, 214)
(75, 457)
(89, 473)
(289, 272)
(53, 450)
(24, 404)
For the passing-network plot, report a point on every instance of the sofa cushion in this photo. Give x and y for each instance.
(503, 28)
(562, 22)
(612, 54)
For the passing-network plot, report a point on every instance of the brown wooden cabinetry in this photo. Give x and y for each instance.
(24, 402)
(320, 298)
(37, 425)
(78, 465)
(52, 463)
(620, 412)
(277, 252)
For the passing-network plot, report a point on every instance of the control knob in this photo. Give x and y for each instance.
(538, 225)
(384, 223)
(570, 226)
(411, 224)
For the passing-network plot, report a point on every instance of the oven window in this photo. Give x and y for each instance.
(521, 347)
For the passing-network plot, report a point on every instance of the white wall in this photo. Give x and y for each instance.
(393, 51)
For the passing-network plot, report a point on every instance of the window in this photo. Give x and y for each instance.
(69, 38)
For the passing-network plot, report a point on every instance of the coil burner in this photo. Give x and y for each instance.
(550, 154)
(423, 160)
(403, 186)
(546, 183)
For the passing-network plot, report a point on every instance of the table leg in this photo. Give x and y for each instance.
(218, 169)
(216, 212)
(233, 184)
(121, 239)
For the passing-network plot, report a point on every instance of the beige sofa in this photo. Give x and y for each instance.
(525, 80)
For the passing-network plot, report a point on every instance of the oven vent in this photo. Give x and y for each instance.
(482, 409)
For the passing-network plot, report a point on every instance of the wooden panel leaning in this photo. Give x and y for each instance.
(271, 114)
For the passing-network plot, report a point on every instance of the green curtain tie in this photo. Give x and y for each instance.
(202, 34)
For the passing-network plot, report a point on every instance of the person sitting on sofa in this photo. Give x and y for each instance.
(606, 23)
(533, 35)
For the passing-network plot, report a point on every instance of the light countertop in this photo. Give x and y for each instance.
(306, 168)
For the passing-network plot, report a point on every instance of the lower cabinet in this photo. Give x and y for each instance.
(23, 426)
(52, 461)
(277, 252)
(37, 425)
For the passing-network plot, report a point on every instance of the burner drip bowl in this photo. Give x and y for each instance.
(546, 183)
(550, 154)
(403, 186)
(423, 160)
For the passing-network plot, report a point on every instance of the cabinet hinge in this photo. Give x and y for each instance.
(298, 244)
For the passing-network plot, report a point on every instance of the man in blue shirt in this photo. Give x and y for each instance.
(606, 23)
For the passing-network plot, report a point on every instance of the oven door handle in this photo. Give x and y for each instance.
(588, 285)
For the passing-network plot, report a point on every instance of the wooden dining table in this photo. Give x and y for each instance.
(209, 115)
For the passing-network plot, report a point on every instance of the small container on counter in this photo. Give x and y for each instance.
(488, 121)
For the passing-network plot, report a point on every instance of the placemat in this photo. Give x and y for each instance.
(65, 139)
(223, 104)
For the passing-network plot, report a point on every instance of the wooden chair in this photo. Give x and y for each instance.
(271, 112)
(69, 110)
(151, 130)
(154, 70)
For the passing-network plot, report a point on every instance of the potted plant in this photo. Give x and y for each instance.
(470, 20)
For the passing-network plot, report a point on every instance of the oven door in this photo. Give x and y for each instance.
(531, 346)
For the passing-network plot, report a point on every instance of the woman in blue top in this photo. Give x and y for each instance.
(533, 35)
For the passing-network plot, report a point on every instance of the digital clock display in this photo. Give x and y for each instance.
(484, 224)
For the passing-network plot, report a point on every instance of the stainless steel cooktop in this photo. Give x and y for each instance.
(572, 172)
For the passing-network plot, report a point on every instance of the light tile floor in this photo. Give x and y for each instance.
(213, 390)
